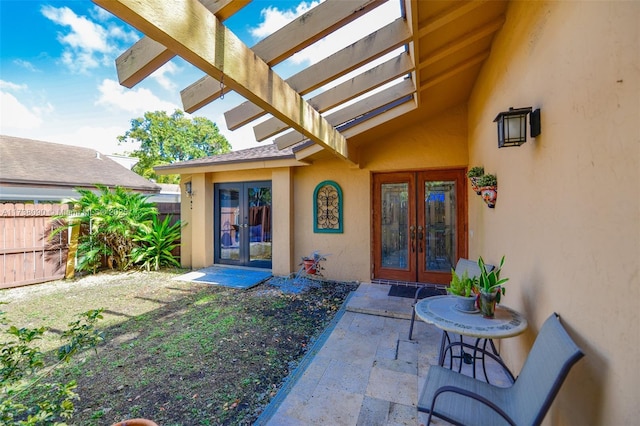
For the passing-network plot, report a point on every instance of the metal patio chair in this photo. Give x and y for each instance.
(462, 400)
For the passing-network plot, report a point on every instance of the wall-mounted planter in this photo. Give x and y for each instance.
(474, 175)
(488, 186)
(489, 195)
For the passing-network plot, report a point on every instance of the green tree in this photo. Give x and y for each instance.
(166, 139)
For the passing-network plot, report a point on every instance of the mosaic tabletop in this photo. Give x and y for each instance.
(442, 312)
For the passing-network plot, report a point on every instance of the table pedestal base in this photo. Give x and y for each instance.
(479, 352)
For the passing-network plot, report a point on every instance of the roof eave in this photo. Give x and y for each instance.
(231, 165)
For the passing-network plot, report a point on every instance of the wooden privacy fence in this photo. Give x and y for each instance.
(27, 255)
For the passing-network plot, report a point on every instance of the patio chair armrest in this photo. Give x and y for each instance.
(469, 394)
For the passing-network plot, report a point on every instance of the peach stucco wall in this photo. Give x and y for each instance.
(567, 216)
(433, 144)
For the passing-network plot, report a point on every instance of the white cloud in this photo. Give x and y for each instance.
(103, 139)
(25, 64)
(274, 18)
(87, 44)
(134, 101)
(15, 115)
(161, 76)
(7, 85)
(100, 14)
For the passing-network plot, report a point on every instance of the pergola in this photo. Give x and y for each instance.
(445, 44)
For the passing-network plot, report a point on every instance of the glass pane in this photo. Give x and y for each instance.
(395, 250)
(259, 198)
(229, 224)
(440, 218)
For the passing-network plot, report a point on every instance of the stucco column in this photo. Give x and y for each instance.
(187, 227)
(282, 235)
(202, 221)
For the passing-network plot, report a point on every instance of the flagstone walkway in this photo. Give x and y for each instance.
(366, 372)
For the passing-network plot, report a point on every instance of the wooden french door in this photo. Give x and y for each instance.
(419, 225)
(242, 223)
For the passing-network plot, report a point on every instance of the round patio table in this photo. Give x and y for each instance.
(442, 312)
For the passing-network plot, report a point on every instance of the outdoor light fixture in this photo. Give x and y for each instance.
(187, 189)
(512, 126)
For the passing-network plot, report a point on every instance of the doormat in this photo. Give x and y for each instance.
(406, 291)
(241, 278)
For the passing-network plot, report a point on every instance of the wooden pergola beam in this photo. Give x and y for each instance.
(344, 92)
(340, 63)
(411, 11)
(359, 109)
(147, 55)
(293, 37)
(192, 32)
(459, 9)
(462, 42)
(456, 69)
(382, 118)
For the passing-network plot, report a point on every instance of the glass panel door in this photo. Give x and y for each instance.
(243, 224)
(418, 225)
(228, 224)
(394, 229)
(441, 217)
(259, 222)
(395, 251)
(440, 225)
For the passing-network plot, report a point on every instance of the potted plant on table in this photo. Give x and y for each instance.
(474, 174)
(490, 288)
(464, 289)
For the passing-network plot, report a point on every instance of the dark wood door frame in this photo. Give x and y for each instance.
(414, 269)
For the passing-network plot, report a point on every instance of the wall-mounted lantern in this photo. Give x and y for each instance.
(512, 126)
(188, 189)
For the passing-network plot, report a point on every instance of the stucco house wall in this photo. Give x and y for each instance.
(567, 216)
(435, 143)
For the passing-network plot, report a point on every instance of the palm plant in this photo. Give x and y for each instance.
(489, 281)
(111, 219)
(156, 245)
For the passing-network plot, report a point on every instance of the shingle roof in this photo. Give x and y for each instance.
(27, 161)
(261, 152)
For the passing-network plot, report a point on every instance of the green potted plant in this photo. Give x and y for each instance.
(474, 174)
(490, 287)
(488, 185)
(463, 288)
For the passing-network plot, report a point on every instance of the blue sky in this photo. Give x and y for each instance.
(58, 80)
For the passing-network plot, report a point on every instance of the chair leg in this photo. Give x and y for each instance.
(413, 319)
(413, 310)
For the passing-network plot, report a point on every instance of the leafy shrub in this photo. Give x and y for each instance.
(122, 227)
(25, 399)
(156, 245)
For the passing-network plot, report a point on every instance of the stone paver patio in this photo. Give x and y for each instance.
(366, 372)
